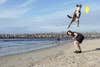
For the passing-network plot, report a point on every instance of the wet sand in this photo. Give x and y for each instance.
(59, 56)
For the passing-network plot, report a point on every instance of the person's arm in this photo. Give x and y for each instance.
(75, 35)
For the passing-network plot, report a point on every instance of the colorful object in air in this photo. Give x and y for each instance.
(87, 9)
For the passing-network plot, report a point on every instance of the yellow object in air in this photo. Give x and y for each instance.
(87, 9)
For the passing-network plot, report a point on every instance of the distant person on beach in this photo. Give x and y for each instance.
(58, 41)
(78, 39)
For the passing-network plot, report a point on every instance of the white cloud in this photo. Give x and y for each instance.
(51, 16)
(13, 13)
(3, 1)
(16, 11)
(28, 2)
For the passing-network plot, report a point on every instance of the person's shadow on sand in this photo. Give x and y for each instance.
(97, 49)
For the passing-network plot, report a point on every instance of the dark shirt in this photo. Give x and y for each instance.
(79, 36)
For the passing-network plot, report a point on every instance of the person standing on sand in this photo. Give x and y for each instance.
(78, 39)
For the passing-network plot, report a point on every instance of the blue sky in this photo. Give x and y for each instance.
(36, 16)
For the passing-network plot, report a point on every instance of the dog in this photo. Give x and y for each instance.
(76, 15)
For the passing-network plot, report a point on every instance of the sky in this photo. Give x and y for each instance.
(40, 16)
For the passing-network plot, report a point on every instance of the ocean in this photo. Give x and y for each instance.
(14, 46)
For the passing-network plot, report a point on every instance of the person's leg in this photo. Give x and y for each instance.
(77, 46)
(70, 23)
(78, 23)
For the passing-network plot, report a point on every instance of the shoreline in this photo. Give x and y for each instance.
(55, 44)
(61, 55)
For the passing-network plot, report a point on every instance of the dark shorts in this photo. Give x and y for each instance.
(80, 39)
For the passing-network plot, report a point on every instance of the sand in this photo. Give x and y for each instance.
(59, 56)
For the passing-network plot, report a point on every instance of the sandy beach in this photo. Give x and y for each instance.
(59, 56)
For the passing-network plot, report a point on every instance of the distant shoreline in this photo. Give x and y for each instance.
(44, 35)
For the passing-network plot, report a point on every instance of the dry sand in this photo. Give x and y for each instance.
(60, 56)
